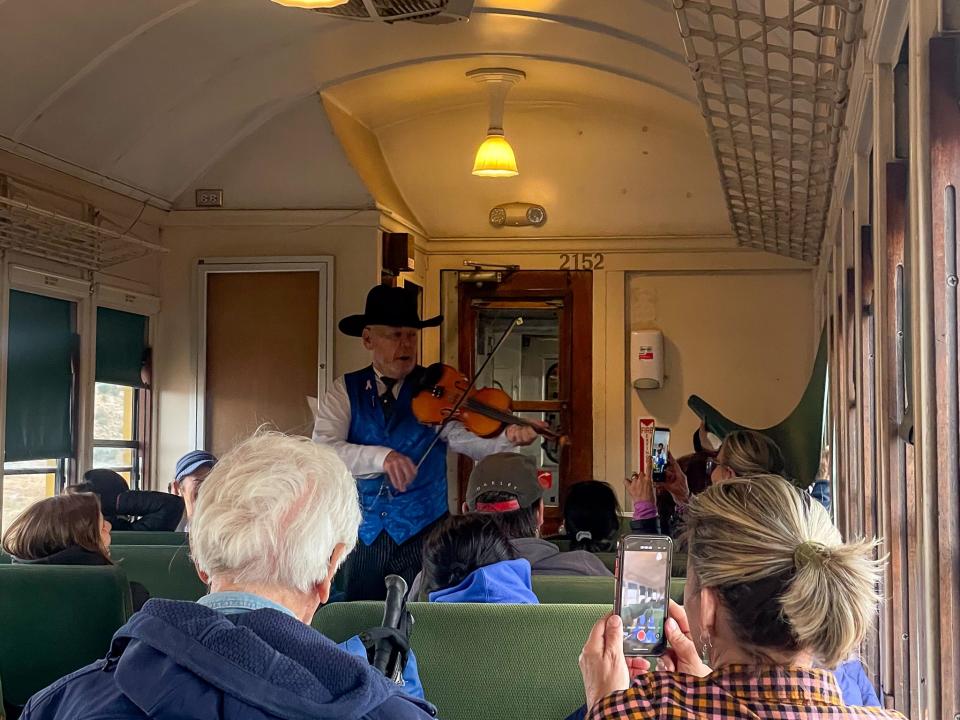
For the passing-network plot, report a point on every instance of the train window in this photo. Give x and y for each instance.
(116, 444)
(41, 366)
(120, 393)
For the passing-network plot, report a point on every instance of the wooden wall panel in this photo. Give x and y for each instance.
(945, 182)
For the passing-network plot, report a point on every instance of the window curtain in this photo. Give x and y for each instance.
(40, 368)
(121, 342)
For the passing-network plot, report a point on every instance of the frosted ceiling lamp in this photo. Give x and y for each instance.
(311, 4)
(495, 157)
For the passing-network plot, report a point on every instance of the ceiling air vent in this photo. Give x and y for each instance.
(429, 12)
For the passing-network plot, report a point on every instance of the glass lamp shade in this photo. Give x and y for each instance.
(495, 158)
(311, 4)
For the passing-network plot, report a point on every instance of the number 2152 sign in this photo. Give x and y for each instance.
(581, 261)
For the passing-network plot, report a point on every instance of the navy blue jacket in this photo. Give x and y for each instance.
(179, 660)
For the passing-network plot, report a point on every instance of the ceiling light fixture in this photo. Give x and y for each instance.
(311, 4)
(495, 158)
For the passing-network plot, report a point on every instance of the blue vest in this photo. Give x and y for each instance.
(402, 515)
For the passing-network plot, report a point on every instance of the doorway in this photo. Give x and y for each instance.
(264, 348)
(545, 366)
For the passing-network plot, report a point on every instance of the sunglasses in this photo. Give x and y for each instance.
(713, 464)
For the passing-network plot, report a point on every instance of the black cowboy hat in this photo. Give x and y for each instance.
(392, 306)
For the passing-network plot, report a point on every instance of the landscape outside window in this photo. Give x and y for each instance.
(21, 491)
(114, 430)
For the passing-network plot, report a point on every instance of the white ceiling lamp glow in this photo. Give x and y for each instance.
(495, 157)
(311, 4)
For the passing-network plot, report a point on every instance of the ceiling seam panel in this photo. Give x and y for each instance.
(773, 80)
(600, 67)
(102, 57)
(585, 25)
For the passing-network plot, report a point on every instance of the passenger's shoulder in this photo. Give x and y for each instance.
(70, 696)
(402, 707)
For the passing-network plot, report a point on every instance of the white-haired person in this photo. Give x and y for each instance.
(276, 517)
(773, 595)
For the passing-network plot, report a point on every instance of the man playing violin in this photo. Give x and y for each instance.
(366, 418)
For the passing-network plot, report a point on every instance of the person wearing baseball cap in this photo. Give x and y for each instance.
(367, 418)
(190, 471)
(507, 487)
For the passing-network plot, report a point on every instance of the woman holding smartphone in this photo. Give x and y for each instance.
(773, 595)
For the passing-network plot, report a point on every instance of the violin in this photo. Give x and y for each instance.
(447, 394)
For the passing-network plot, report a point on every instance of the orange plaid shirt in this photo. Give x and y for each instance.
(737, 692)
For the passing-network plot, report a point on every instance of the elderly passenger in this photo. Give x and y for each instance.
(773, 594)
(275, 519)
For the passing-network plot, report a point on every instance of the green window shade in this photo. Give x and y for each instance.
(41, 345)
(121, 342)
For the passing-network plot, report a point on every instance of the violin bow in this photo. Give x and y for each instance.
(517, 322)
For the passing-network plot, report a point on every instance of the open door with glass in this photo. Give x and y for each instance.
(544, 365)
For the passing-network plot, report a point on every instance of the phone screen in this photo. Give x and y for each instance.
(643, 592)
(658, 454)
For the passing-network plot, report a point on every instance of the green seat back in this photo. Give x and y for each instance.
(566, 589)
(562, 543)
(799, 435)
(487, 662)
(165, 570)
(55, 619)
(4, 559)
(148, 537)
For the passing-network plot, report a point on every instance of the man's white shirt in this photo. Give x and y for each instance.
(333, 425)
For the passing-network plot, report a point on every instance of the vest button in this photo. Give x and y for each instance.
(383, 515)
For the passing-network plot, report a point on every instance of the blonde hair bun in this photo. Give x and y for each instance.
(782, 568)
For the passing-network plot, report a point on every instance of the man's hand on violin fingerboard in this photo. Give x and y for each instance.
(400, 469)
(521, 434)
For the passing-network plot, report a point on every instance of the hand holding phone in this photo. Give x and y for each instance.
(643, 592)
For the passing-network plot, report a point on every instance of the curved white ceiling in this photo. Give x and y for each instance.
(167, 95)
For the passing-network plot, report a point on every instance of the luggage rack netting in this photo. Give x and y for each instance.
(773, 80)
(47, 234)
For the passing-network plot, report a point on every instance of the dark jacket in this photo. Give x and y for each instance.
(147, 510)
(181, 661)
(76, 555)
(128, 509)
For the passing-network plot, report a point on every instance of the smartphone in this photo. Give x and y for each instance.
(643, 592)
(658, 454)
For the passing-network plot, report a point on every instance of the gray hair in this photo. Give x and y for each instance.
(272, 511)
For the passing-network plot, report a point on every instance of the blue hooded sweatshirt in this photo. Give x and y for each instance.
(504, 582)
(855, 686)
(182, 661)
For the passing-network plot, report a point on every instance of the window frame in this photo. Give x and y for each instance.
(144, 413)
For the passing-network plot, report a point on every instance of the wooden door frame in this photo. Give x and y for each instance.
(575, 289)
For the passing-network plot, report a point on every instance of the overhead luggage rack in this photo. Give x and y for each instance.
(773, 79)
(43, 233)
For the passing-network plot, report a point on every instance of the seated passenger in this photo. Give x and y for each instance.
(742, 452)
(275, 520)
(772, 593)
(505, 486)
(746, 452)
(64, 530)
(591, 517)
(190, 471)
(468, 558)
(127, 509)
